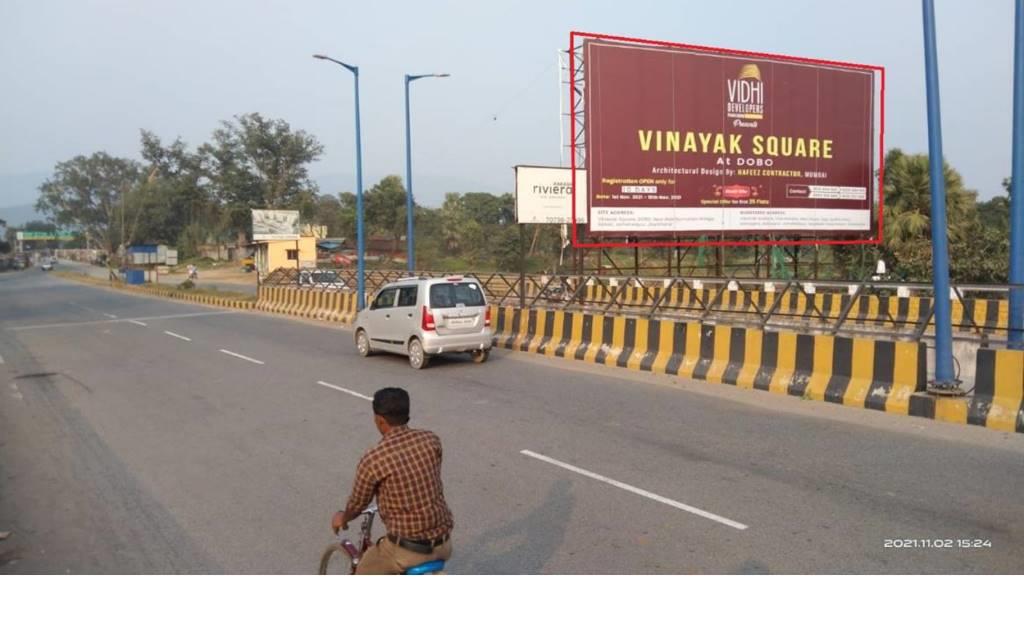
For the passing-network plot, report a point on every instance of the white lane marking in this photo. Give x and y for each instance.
(177, 336)
(1, 359)
(109, 316)
(102, 321)
(224, 351)
(636, 491)
(137, 322)
(344, 390)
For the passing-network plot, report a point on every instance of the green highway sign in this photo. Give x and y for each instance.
(57, 235)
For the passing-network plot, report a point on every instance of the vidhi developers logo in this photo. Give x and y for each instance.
(746, 97)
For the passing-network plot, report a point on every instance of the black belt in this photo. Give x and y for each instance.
(418, 546)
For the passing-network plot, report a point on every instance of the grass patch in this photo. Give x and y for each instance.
(163, 289)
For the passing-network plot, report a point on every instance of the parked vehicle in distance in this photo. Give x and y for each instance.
(322, 279)
(422, 317)
(46, 265)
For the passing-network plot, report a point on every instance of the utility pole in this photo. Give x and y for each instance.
(945, 382)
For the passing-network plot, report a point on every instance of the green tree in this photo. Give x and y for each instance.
(330, 211)
(95, 195)
(177, 201)
(257, 163)
(486, 208)
(385, 208)
(907, 223)
(996, 211)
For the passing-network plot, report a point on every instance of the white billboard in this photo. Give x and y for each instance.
(275, 225)
(544, 195)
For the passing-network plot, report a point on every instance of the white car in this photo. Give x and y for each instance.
(423, 317)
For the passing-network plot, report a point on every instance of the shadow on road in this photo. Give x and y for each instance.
(522, 546)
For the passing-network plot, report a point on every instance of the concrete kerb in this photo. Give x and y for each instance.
(331, 306)
(998, 399)
(868, 373)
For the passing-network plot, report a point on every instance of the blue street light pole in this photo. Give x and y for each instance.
(409, 212)
(360, 238)
(1016, 184)
(944, 377)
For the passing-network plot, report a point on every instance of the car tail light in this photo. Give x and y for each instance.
(487, 318)
(427, 322)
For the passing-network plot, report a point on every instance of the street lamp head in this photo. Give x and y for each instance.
(324, 57)
(412, 77)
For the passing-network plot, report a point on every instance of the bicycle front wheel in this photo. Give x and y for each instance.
(336, 561)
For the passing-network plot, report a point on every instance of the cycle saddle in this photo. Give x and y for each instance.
(427, 568)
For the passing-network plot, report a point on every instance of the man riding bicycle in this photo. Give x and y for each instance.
(403, 471)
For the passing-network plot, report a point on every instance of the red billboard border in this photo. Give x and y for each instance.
(877, 240)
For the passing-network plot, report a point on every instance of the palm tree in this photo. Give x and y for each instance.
(908, 204)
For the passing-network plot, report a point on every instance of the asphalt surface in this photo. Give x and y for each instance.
(125, 448)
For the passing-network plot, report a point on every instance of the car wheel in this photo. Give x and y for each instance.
(418, 359)
(480, 356)
(363, 343)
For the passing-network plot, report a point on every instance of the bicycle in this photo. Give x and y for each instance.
(350, 554)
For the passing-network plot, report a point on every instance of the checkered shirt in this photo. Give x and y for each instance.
(404, 472)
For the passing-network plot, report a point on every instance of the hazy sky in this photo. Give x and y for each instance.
(86, 75)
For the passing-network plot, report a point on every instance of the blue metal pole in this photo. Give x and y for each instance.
(360, 238)
(944, 378)
(409, 215)
(1016, 184)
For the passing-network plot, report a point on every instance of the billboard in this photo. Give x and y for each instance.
(544, 195)
(275, 225)
(33, 235)
(683, 140)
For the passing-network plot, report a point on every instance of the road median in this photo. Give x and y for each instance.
(223, 299)
(885, 375)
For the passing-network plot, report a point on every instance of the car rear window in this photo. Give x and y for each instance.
(453, 294)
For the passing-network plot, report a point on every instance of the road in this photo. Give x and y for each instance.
(141, 435)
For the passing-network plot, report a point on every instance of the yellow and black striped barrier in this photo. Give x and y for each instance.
(334, 306)
(881, 375)
(969, 315)
(998, 399)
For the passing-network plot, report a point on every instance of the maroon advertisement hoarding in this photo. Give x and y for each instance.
(683, 141)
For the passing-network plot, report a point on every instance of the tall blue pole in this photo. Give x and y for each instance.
(944, 378)
(1016, 184)
(409, 217)
(360, 237)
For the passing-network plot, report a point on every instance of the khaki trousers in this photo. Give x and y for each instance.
(387, 558)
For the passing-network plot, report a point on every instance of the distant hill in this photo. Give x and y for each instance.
(18, 214)
(17, 189)
(18, 195)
